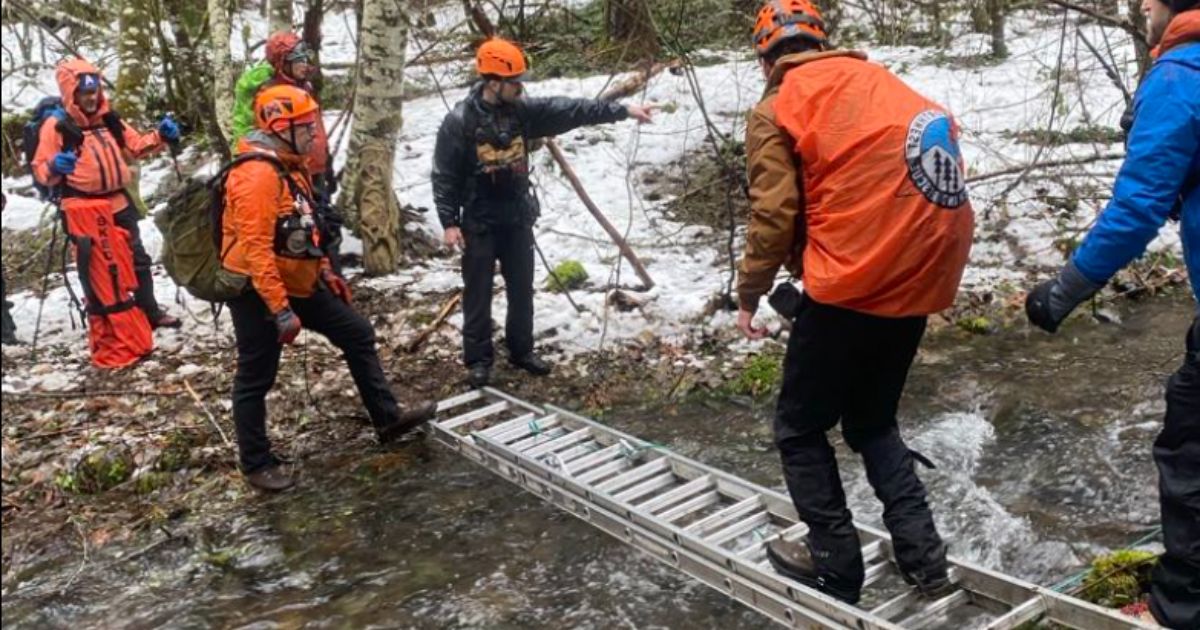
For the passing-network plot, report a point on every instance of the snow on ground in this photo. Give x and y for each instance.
(687, 262)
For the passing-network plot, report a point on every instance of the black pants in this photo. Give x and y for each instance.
(1175, 591)
(128, 220)
(513, 247)
(258, 363)
(849, 367)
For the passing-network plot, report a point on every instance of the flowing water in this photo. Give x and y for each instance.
(1043, 452)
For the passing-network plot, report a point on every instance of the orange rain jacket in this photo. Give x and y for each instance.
(255, 198)
(887, 222)
(102, 169)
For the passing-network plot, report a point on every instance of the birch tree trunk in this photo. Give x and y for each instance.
(134, 54)
(222, 67)
(279, 15)
(367, 197)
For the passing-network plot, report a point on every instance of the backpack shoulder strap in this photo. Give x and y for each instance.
(112, 120)
(72, 134)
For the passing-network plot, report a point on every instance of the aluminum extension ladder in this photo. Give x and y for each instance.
(715, 527)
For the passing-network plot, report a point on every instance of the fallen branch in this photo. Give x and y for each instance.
(204, 408)
(1017, 170)
(437, 322)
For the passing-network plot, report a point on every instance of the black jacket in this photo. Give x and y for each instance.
(456, 164)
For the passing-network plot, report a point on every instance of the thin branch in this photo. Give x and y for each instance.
(1016, 170)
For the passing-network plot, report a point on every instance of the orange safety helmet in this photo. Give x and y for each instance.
(501, 58)
(781, 20)
(281, 106)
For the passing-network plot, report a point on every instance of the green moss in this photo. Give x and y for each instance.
(568, 275)
(1119, 578)
(761, 376)
(978, 325)
(176, 454)
(149, 482)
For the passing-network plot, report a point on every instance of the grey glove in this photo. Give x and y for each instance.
(1050, 302)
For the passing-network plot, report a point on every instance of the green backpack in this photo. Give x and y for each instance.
(248, 85)
(191, 227)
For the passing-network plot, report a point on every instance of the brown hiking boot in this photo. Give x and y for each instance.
(162, 320)
(414, 417)
(275, 478)
(795, 560)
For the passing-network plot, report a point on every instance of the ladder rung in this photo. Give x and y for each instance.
(756, 552)
(941, 606)
(533, 426)
(577, 451)
(897, 604)
(521, 426)
(726, 515)
(566, 440)
(876, 572)
(459, 400)
(678, 494)
(614, 467)
(739, 529)
(631, 477)
(1019, 615)
(871, 551)
(587, 461)
(650, 486)
(471, 416)
(544, 435)
(492, 433)
(692, 505)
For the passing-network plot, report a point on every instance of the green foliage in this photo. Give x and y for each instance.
(761, 376)
(1119, 578)
(568, 275)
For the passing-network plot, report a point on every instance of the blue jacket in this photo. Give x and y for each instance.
(1162, 164)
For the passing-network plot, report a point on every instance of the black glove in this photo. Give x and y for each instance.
(1050, 302)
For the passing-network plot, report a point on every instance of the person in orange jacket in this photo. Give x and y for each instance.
(271, 234)
(95, 165)
(857, 186)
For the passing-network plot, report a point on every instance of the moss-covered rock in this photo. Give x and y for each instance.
(101, 469)
(1119, 578)
(176, 454)
(150, 481)
(568, 275)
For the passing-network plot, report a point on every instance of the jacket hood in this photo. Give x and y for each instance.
(1183, 29)
(67, 74)
(790, 62)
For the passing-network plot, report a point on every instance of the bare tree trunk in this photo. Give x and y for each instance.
(279, 15)
(629, 23)
(222, 67)
(191, 69)
(367, 195)
(998, 15)
(314, 15)
(1138, 19)
(134, 55)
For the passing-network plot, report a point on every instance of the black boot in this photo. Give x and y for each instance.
(407, 421)
(479, 375)
(532, 364)
(274, 478)
(919, 550)
(799, 561)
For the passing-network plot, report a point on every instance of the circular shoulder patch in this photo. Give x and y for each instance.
(934, 160)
